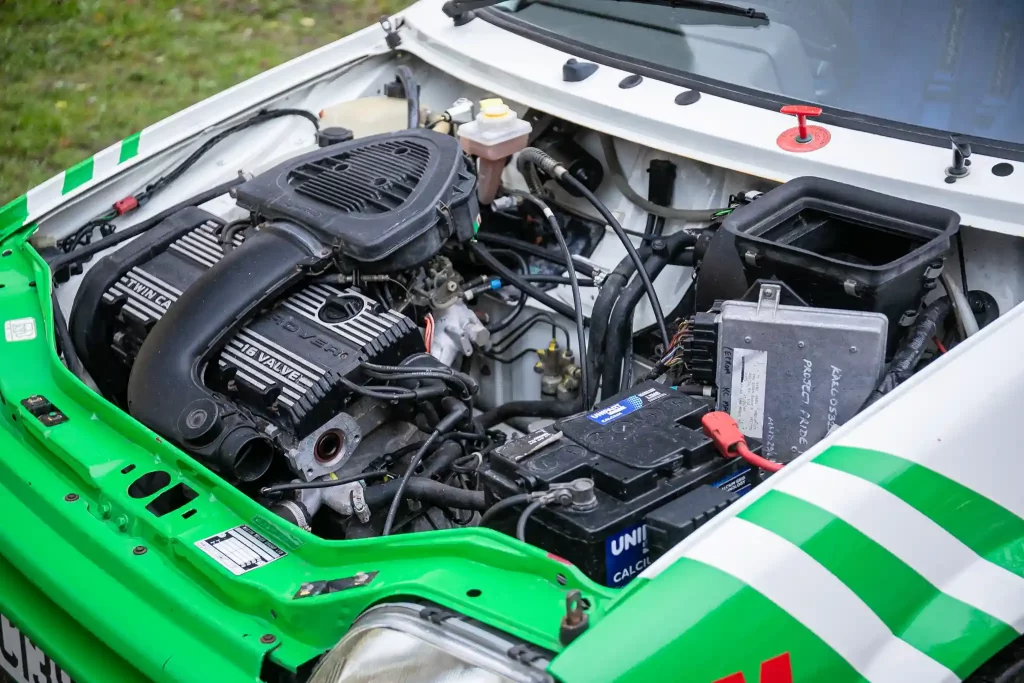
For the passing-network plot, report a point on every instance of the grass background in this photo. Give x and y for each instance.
(79, 75)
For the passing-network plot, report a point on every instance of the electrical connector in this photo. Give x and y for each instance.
(728, 439)
(461, 111)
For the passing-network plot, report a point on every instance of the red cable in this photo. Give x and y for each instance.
(757, 460)
(939, 345)
(722, 429)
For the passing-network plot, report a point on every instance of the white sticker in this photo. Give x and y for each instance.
(749, 374)
(21, 329)
(240, 550)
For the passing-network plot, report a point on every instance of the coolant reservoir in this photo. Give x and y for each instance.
(367, 115)
(495, 135)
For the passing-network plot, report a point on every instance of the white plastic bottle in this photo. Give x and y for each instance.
(496, 134)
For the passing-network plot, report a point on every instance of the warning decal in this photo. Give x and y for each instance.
(240, 550)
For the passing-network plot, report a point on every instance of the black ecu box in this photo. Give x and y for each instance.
(643, 449)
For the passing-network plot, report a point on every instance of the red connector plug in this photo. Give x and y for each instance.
(123, 206)
(723, 430)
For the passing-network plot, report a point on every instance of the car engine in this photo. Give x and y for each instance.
(344, 353)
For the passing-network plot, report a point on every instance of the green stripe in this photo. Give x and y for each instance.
(77, 175)
(698, 624)
(129, 147)
(951, 632)
(985, 527)
(13, 215)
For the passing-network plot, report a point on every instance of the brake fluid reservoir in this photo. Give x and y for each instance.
(496, 134)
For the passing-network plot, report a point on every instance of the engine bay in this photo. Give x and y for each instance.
(436, 317)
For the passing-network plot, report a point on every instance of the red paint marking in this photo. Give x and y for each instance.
(556, 558)
(775, 670)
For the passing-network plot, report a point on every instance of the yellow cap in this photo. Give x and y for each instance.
(494, 108)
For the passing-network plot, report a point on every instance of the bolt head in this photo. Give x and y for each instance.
(71, 497)
(853, 349)
(801, 344)
(769, 294)
(746, 339)
(268, 638)
(140, 550)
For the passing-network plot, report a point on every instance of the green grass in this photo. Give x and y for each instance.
(77, 76)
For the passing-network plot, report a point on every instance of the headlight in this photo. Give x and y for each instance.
(409, 643)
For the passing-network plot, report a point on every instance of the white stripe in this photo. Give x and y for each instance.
(105, 163)
(920, 543)
(44, 197)
(813, 596)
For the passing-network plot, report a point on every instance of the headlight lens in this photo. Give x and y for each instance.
(395, 643)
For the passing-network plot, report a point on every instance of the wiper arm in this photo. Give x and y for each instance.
(457, 9)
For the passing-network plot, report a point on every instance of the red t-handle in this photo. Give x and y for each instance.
(801, 111)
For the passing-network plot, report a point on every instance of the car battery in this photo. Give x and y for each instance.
(641, 450)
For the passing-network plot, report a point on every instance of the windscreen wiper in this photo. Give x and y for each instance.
(458, 9)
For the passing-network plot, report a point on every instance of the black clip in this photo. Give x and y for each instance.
(44, 411)
(436, 615)
(525, 653)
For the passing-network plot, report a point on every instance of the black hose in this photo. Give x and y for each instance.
(620, 322)
(426, 491)
(412, 94)
(577, 300)
(533, 250)
(520, 306)
(909, 353)
(63, 336)
(599, 315)
(547, 409)
(659, 315)
(512, 278)
(396, 501)
(543, 279)
(456, 413)
(524, 517)
(501, 505)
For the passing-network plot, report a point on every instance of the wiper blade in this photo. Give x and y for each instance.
(457, 9)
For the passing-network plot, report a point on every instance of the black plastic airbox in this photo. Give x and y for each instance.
(385, 202)
(839, 246)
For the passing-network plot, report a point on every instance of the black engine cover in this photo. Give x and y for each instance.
(284, 364)
(385, 202)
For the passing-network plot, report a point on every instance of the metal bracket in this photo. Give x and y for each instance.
(768, 300)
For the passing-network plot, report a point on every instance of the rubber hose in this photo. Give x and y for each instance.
(511, 409)
(618, 176)
(412, 94)
(909, 353)
(524, 517)
(520, 306)
(966, 321)
(513, 278)
(533, 250)
(501, 505)
(426, 491)
(620, 322)
(577, 300)
(570, 182)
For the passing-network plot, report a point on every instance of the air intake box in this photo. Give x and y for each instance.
(385, 203)
(839, 246)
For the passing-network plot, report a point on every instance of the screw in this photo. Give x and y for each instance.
(71, 497)
(853, 349)
(769, 294)
(746, 339)
(800, 344)
(268, 638)
(560, 578)
(139, 550)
